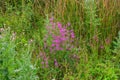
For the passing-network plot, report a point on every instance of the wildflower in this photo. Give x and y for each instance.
(13, 36)
(42, 62)
(107, 41)
(32, 67)
(59, 25)
(95, 38)
(56, 63)
(60, 36)
(51, 19)
(30, 41)
(102, 47)
(68, 24)
(18, 70)
(0, 37)
(72, 35)
(2, 29)
(46, 63)
(44, 59)
(56, 41)
(53, 45)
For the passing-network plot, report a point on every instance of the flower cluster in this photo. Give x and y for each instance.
(62, 38)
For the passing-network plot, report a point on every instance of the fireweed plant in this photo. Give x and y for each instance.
(58, 44)
(62, 38)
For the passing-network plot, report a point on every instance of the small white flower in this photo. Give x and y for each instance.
(53, 79)
(17, 70)
(1, 37)
(32, 67)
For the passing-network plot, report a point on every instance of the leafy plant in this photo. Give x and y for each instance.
(15, 65)
(117, 45)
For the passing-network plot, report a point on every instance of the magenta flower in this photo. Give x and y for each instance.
(60, 35)
(72, 35)
(102, 47)
(56, 41)
(59, 25)
(42, 62)
(57, 38)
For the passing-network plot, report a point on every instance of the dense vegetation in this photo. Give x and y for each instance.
(59, 40)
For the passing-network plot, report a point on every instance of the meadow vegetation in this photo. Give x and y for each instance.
(59, 40)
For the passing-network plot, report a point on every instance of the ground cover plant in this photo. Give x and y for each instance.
(59, 40)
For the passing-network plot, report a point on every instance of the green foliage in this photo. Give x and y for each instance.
(22, 31)
(117, 45)
(116, 53)
(15, 65)
(25, 70)
(7, 54)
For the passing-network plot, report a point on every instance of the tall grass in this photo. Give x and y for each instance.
(95, 23)
(101, 15)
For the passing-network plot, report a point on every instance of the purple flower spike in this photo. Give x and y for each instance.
(72, 35)
(59, 35)
(59, 25)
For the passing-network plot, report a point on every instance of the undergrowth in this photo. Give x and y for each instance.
(77, 40)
